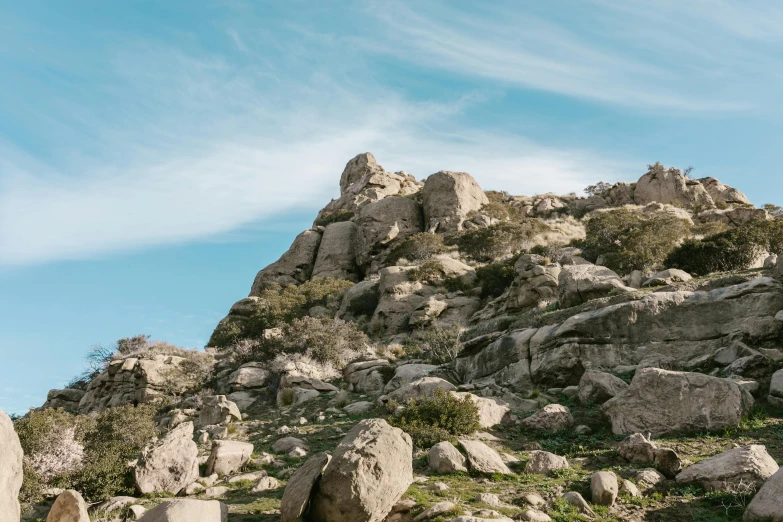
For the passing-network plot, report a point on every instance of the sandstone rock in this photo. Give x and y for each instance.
(69, 507)
(448, 198)
(286, 444)
(336, 254)
(604, 488)
(536, 283)
(408, 373)
(10, 470)
(661, 401)
(217, 409)
(391, 219)
(720, 192)
(578, 284)
(419, 389)
(114, 504)
(767, 505)
(297, 493)
(228, 456)
(577, 501)
(671, 186)
(552, 417)
(293, 267)
(169, 464)
(748, 465)
(599, 387)
(667, 277)
(437, 509)
(543, 463)
(187, 510)
(350, 494)
(443, 457)
(248, 376)
(491, 410)
(483, 459)
(266, 484)
(136, 511)
(67, 399)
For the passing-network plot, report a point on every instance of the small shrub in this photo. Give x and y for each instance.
(441, 344)
(327, 218)
(499, 206)
(629, 240)
(327, 341)
(365, 304)
(418, 247)
(286, 397)
(430, 272)
(340, 399)
(498, 241)
(599, 189)
(440, 417)
(457, 284)
(709, 229)
(495, 278)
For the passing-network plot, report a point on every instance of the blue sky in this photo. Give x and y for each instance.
(155, 155)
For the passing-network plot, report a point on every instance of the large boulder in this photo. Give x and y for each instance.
(10, 470)
(408, 373)
(483, 459)
(250, 376)
(491, 410)
(391, 219)
(723, 193)
(536, 284)
(228, 456)
(168, 465)
(293, 267)
(443, 457)
(365, 376)
(67, 399)
(552, 417)
(604, 488)
(399, 297)
(448, 198)
(671, 186)
(69, 507)
(598, 387)
(544, 462)
(578, 284)
(337, 255)
(370, 470)
(661, 401)
(419, 389)
(217, 409)
(746, 465)
(767, 505)
(667, 277)
(187, 510)
(296, 497)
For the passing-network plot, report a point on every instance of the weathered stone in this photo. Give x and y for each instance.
(419, 389)
(483, 459)
(336, 254)
(776, 388)
(746, 465)
(667, 277)
(228, 456)
(671, 186)
(767, 505)
(533, 515)
(437, 509)
(287, 397)
(297, 493)
(169, 464)
(286, 444)
(648, 478)
(578, 502)
(552, 417)
(491, 410)
(347, 492)
(67, 399)
(723, 193)
(391, 219)
(408, 373)
(217, 409)
(443, 457)
(661, 401)
(266, 484)
(543, 463)
(10, 470)
(293, 267)
(599, 387)
(604, 488)
(358, 408)
(187, 510)
(248, 376)
(69, 507)
(578, 284)
(448, 198)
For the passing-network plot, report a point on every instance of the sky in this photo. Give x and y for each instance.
(155, 155)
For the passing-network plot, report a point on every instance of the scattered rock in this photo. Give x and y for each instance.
(578, 284)
(543, 463)
(483, 459)
(552, 417)
(443, 457)
(598, 387)
(649, 478)
(767, 505)
(581, 505)
(436, 510)
(419, 389)
(228, 456)
(604, 488)
(668, 277)
(287, 444)
(187, 510)
(448, 198)
(69, 507)
(358, 408)
(266, 484)
(746, 465)
(296, 496)
(533, 515)
(169, 464)
(217, 409)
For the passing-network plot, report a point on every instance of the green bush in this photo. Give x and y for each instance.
(418, 247)
(734, 249)
(495, 278)
(498, 241)
(328, 341)
(280, 305)
(440, 417)
(327, 218)
(430, 271)
(628, 240)
(499, 206)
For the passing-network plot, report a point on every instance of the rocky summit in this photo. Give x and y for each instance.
(431, 351)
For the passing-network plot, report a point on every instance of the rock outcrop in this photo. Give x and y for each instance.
(389, 220)
(661, 401)
(598, 387)
(348, 490)
(448, 198)
(578, 284)
(10, 470)
(671, 186)
(293, 267)
(336, 256)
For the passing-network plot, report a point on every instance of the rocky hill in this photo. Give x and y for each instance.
(432, 351)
